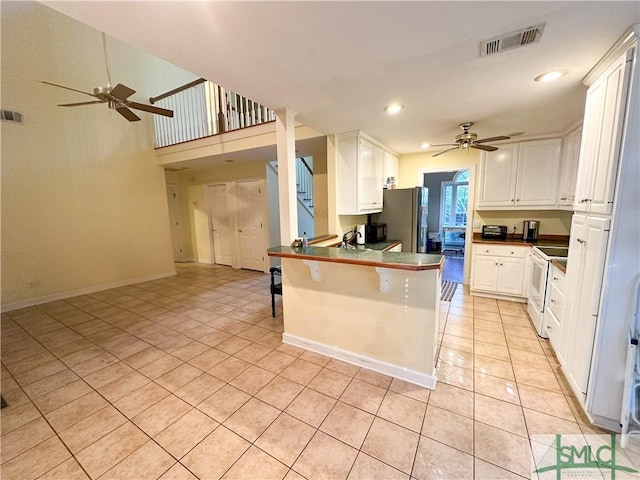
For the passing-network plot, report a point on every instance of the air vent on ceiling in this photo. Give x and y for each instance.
(11, 116)
(511, 40)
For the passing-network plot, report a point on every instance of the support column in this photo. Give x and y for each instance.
(286, 156)
(332, 190)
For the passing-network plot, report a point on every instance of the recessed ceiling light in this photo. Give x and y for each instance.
(550, 76)
(424, 146)
(393, 108)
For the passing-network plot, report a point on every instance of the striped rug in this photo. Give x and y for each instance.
(447, 290)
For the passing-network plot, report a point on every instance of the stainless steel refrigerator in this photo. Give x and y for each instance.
(404, 210)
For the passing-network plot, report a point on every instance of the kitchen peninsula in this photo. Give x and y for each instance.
(378, 310)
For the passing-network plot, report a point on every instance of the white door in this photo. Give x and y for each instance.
(589, 237)
(498, 177)
(174, 222)
(484, 273)
(220, 225)
(249, 199)
(511, 276)
(538, 171)
(606, 163)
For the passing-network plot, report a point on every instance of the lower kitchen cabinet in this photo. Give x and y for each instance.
(585, 265)
(500, 270)
(554, 310)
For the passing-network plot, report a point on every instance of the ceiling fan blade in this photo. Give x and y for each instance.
(126, 113)
(493, 139)
(486, 148)
(79, 103)
(444, 145)
(122, 92)
(66, 88)
(445, 151)
(150, 109)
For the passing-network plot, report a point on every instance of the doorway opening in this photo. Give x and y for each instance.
(449, 194)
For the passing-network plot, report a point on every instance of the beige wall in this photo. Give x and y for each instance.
(83, 201)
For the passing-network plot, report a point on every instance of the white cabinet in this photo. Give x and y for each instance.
(520, 175)
(601, 138)
(554, 310)
(585, 265)
(359, 179)
(569, 169)
(500, 270)
(389, 168)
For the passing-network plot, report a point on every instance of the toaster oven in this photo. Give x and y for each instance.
(494, 232)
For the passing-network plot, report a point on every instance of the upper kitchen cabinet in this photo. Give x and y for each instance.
(360, 174)
(390, 168)
(520, 175)
(569, 169)
(601, 137)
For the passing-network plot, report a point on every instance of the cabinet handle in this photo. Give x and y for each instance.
(512, 253)
(517, 199)
(555, 278)
(552, 300)
(487, 251)
(502, 264)
(512, 199)
(548, 327)
(496, 264)
(563, 198)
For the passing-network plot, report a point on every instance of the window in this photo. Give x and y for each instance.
(455, 195)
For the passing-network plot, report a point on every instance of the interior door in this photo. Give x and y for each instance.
(249, 210)
(220, 225)
(174, 222)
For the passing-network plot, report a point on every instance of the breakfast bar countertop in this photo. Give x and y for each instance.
(373, 258)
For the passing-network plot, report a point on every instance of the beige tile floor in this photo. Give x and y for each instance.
(186, 377)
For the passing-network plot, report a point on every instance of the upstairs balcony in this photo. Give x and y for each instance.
(201, 109)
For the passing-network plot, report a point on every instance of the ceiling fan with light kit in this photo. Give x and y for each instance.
(116, 97)
(467, 140)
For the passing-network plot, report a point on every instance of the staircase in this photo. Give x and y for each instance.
(304, 190)
(304, 183)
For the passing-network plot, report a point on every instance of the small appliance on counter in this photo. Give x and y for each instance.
(530, 230)
(361, 234)
(494, 232)
(375, 232)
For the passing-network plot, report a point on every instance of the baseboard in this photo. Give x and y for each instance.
(395, 371)
(498, 296)
(82, 291)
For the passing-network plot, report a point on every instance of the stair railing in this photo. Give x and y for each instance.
(304, 179)
(201, 109)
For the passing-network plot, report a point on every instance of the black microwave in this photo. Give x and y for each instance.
(494, 232)
(376, 232)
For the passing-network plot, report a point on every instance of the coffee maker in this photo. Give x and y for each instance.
(530, 230)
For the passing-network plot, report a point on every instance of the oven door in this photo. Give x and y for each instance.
(537, 289)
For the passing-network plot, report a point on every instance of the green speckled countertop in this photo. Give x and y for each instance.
(375, 258)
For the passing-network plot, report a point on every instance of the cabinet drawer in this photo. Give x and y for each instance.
(556, 278)
(556, 301)
(501, 250)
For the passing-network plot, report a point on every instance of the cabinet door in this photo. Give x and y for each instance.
(615, 80)
(589, 145)
(537, 176)
(376, 172)
(498, 177)
(366, 176)
(390, 168)
(485, 273)
(511, 276)
(600, 147)
(585, 267)
(569, 168)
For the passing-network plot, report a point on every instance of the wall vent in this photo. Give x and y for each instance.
(512, 40)
(11, 116)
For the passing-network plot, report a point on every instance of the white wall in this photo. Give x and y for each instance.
(83, 201)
